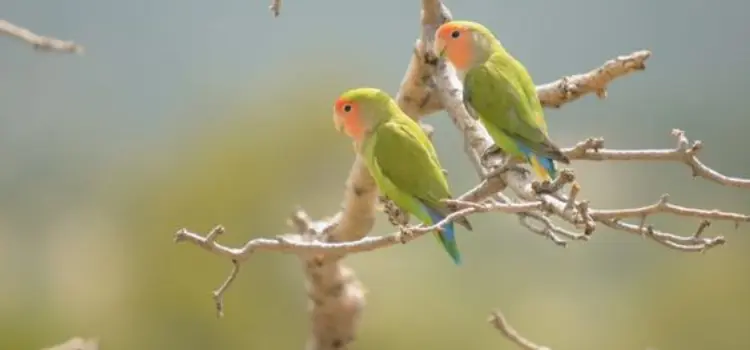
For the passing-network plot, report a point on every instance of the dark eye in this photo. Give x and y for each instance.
(347, 108)
(455, 34)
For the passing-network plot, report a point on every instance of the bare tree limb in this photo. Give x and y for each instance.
(430, 85)
(663, 206)
(39, 42)
(592, 149)
(291, 243)
(497, 319)
(275, 7)
(571, 88)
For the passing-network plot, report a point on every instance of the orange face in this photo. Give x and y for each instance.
(346, 118)
(454, 42)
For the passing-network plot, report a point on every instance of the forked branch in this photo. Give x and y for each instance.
(684, 152)
(430, 85)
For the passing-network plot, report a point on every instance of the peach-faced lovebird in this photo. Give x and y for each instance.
(400, 158)
(500, 93)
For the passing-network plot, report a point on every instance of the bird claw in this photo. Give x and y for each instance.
(488, 153)
(405, 234)
(396, 216)
(542, 187)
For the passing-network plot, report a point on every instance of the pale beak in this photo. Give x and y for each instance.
(337, 123)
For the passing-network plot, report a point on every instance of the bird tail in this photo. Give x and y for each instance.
(447, 236)
(544, 167)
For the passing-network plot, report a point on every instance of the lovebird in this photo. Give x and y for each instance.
(500, 93)
(400, 158)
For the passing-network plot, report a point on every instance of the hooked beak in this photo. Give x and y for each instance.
(338, 123)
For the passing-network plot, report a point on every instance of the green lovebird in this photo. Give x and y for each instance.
(400, 158)
(500, 93)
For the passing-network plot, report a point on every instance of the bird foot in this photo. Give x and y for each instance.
(542, 187)
(405, 234)
(396, 216)
(488, 153)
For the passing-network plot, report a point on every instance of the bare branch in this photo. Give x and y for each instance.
(497, 319)
(219, 293)
(416, 91)
(558, 235)
(39, 42)
(691, 243)
(701, 227)
(664, 206)
(430, 85)
(592, 149)
(275, 7)
(571, 88)
(292, 243)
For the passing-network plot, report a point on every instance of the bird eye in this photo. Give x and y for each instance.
(455, 34)
(347, 108)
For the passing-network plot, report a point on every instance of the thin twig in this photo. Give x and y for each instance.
(219, 293)
(664, 206)
(291, 243)
(39, 42)
(571, 88)
(497, 319)
(593, 149)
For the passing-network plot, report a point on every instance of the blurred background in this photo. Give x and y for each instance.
(196, 113)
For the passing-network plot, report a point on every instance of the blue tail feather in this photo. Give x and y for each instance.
(447, 236)
(546, 162)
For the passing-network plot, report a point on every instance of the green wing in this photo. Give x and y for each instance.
(529, 90)
(408, 159)
(405, 165)
(498, 95)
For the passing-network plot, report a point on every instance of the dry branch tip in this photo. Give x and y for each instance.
(498, 320)
(218, 294)
(38, 42)
(701, 227)
(275, 8)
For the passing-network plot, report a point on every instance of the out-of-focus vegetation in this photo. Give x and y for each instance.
(93, 189)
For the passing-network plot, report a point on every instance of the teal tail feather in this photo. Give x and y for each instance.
(546, 163)
(447, 237)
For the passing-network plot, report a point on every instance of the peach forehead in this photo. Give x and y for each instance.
(451, 27)
(340, 103)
